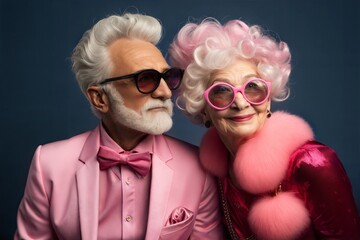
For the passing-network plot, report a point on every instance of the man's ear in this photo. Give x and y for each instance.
(98, 98)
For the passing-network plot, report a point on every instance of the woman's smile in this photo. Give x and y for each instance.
(242, 118)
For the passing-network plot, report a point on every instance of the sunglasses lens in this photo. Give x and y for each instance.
(221, 96)
(256, 91)
(173, 78)
(147, 81)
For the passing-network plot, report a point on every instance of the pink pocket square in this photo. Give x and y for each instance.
(179, 215)
(179, 225)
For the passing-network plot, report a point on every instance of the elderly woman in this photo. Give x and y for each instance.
(275, 180)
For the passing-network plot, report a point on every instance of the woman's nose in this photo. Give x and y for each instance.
(240, 102)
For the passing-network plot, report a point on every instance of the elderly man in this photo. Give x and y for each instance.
(124, 179)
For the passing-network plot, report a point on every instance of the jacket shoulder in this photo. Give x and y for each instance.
(177, 145)
(315, 161)
(184, 154)
(314, 154)
(62, 155)
(62, 147)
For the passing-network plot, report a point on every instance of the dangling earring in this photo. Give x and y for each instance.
(269, 113)
(207, 123)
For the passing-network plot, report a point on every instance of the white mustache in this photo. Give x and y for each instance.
(167, 104)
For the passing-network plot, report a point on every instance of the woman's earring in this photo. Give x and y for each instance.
(207, 123)
(269, 113)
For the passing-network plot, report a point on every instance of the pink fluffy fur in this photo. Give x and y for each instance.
(261, 162)
(278, 218)
(260, 166)
(213, 153)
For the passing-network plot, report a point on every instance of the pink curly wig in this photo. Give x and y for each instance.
(205, 47)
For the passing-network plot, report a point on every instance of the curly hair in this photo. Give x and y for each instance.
(208, 46)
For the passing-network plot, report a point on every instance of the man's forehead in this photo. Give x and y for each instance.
(135, 54)
(126, 46)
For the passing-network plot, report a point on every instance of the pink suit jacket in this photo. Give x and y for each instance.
(61, 199)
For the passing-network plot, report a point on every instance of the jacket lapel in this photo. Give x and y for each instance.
(161, 183)
(87, 179)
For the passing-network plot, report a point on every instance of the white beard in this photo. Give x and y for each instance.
(150, 122)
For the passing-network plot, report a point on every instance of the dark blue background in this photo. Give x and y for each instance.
(41, 102)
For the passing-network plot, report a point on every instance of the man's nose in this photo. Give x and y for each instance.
(162, 91)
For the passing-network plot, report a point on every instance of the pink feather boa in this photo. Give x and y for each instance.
(260, 166)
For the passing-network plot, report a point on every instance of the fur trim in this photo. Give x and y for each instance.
(260, 165)
(261, 162)
(280, 217)
(213, 153)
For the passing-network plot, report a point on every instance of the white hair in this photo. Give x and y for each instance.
(91, 61)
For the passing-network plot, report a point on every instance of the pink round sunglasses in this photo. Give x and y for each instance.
(221, 95)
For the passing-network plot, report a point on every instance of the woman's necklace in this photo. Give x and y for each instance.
(228, 221)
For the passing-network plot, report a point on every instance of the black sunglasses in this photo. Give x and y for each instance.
(148, 80)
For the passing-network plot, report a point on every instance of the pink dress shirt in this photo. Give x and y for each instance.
(124, 196)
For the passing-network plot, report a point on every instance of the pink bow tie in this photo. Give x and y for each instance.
(140, 162)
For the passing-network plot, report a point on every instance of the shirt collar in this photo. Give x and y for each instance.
(146, 145)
